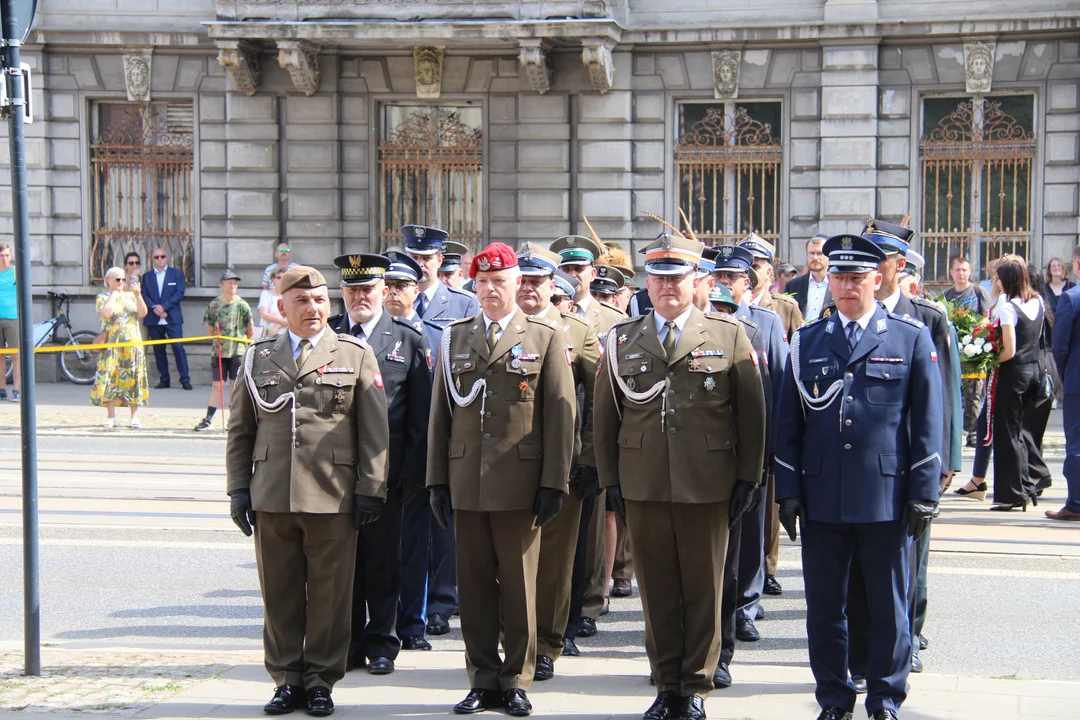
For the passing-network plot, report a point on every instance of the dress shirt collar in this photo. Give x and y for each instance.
(890, 302)
(815, 284)
(430, 292)
(503, 322)
(294, 341)
(680, 322)
(863, 322)
(367, 327)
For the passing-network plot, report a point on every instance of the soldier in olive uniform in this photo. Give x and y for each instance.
(579, 255)
(558, 539)
(307, 460)
(500, 445)
(781, 304)
(679, 436)
(403, 359)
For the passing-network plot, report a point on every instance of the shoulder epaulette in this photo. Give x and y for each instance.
(459, 291)
(810, 323)
(576, 318)
(459, 321)
(923, 302)
(406, 323)
(723, 317)
(758, 308)
(627, 321)
(914, 322)
(349, 338)
(545, 322)
(612, 307)
(748, 322)
(784, 298)
(266, 339)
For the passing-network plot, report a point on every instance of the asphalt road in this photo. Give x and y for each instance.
(138, 551)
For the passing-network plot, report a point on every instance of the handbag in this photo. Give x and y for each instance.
(1049, 387)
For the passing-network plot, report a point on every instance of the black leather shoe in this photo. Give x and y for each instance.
(162, 386)
(664, 706)
(834, 713)
(479, 700)
(545, 668)
(692, 708)
(621, 588)
(916, 663)
(759, 612)
(415, 642)
(859, 681)
(570, 648)
(923, 642)
(186, 386)
(588, 627)
(516, 703)
(746, 632)
(772, 587)
(286, 699)
(380, 666)
(437, 624)
(319, 703)
(883, 714)
(722, 677)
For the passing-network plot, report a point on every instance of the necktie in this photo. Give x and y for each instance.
(669, 339)
(305, 351)
(421, 304)
(853, 334)
(358, 332)
(493, 335)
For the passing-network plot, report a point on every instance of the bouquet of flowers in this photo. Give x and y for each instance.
(962, 318)
(980, 350)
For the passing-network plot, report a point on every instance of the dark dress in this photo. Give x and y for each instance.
(1017, 389)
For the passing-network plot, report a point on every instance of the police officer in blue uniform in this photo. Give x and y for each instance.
(450, 269)
(403, 360)
(440, 305)
(858, 463)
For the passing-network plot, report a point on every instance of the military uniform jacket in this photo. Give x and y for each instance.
(680, 430)
(861, 430)
(337, 445)
(786, 307)
(757, 341)
(774, 339)
(405, 362)
(449, 305)
(601, 316)
(515, 434)
(584, 349)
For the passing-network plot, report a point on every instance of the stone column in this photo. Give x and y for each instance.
(1061, 205)
(849, 127)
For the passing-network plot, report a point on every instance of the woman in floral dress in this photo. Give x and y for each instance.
(121, 372)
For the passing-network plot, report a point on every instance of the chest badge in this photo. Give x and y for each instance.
(622, 339)
(515, 363)
(710, 384)
(816, 391)
(265, 353)
(515, 352)
(825, 370)
(644, 368)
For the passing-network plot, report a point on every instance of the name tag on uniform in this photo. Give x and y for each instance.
(634, 356)
(326, 370)
(462, 356)
(814, 361)
(706, 353)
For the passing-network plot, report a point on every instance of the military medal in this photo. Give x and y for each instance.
(632, 384)
(523, 386)
(515, 363)
(622, 339)
(644, 368)
(265, 353)
(710, 384)
(515, 352)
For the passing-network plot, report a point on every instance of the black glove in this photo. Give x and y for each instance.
(742, 495)
(584, 481)
(614, 493)
(366, 509)
(790, 509)
(441, 507)
(755, 499)
(547, 505)
(918, 514)
(241, 511)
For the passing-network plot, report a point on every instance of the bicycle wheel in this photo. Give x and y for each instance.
(79, 366)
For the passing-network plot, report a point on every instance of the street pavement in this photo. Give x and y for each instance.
(151, 607)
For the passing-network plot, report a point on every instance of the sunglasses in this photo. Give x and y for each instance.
(160, 257)
(288, 250)
(133, 262)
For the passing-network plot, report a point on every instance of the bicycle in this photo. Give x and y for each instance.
(77, 365)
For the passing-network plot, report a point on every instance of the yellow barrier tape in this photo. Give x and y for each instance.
(140, 343)
(973, 376)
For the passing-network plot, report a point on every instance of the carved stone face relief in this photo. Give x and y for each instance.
(979, 66)
(428, 69)
(726, 64)
(137, 77)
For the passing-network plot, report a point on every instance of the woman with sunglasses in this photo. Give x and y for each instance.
(121, 373)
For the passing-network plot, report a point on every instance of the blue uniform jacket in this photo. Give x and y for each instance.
(171, 295)
(776, 346)
(450, 304)
(1067, 340)
(860, 431)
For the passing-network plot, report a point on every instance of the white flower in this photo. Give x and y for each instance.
(966, 340)
(971, 350)
(979, 342)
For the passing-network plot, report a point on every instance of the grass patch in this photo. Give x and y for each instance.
(170, 687)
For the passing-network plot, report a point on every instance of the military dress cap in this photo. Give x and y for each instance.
(893, 238)
(301, 277)
(759, 246)
(852, 254)
(672, 255)
(610, 279)
(228, 275)
(577, 250)
(720, 295)
(737, 259)
(361, 268)
(708, 262)
(536, 261)
(566, 284)
(423, 240)
(496, 256)
(402, 267)
(452, 254)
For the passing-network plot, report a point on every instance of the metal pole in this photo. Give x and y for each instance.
(21, 217)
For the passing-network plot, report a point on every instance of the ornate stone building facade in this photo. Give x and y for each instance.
(220, 128)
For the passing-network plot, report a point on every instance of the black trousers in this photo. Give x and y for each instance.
(579, 581)
(376, 585)
(729, 593)
(1013, 445)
